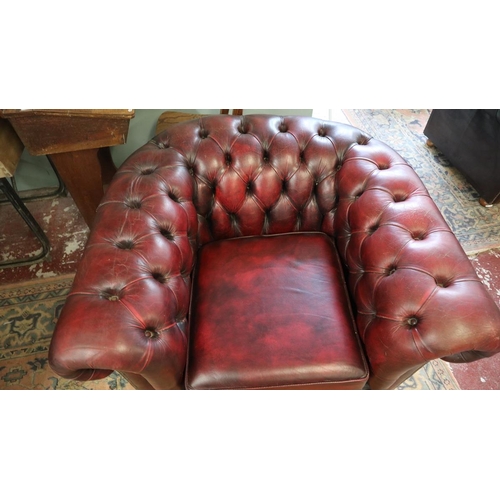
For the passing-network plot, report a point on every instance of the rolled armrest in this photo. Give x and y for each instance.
(128, 305)
(416, 293)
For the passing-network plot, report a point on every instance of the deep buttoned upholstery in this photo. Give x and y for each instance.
(414, 293)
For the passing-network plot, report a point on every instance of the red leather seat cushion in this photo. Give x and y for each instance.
(272, 312)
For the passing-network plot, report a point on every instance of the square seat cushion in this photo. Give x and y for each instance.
(272, 312)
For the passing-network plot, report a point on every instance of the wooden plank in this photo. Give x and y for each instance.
(169, 118)
(89, 113)
(57, 131)
(11, 149)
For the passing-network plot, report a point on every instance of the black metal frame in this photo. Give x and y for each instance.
(59, 191)
(21, 209)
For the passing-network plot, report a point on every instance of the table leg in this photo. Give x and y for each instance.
(84, 173)
(108, 168)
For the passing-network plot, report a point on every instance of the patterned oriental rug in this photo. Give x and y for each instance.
(29, 312)
(476, 227)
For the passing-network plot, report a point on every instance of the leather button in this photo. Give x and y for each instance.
(173, 197)
(125, 244)
(399, 198)
(111, 294)
(151, 333)
(166, 234)
(133, 204)
(443, 283)
(160, 277)
(412, 322)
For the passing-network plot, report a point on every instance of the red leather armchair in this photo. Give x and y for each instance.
(270, 252)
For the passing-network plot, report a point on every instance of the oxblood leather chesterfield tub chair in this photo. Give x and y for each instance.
(218, 256)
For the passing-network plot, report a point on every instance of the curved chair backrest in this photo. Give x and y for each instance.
(260, 174)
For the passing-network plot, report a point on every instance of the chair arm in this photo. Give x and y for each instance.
(416, 293)
(128, 305)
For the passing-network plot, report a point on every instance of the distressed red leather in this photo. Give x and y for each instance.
(272, 311)
(414, 293)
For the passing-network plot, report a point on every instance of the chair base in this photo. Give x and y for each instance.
(272, 312)
(23, 211)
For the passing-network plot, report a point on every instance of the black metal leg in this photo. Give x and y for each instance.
(61, 188)
(59, 191)
(21, 209)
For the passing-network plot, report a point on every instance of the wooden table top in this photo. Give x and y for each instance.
(49, 131)
(91, 113)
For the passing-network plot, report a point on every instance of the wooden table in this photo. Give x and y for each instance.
(76, 141)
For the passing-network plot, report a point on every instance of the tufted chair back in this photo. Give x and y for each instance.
(414, 292)
(259, 174)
